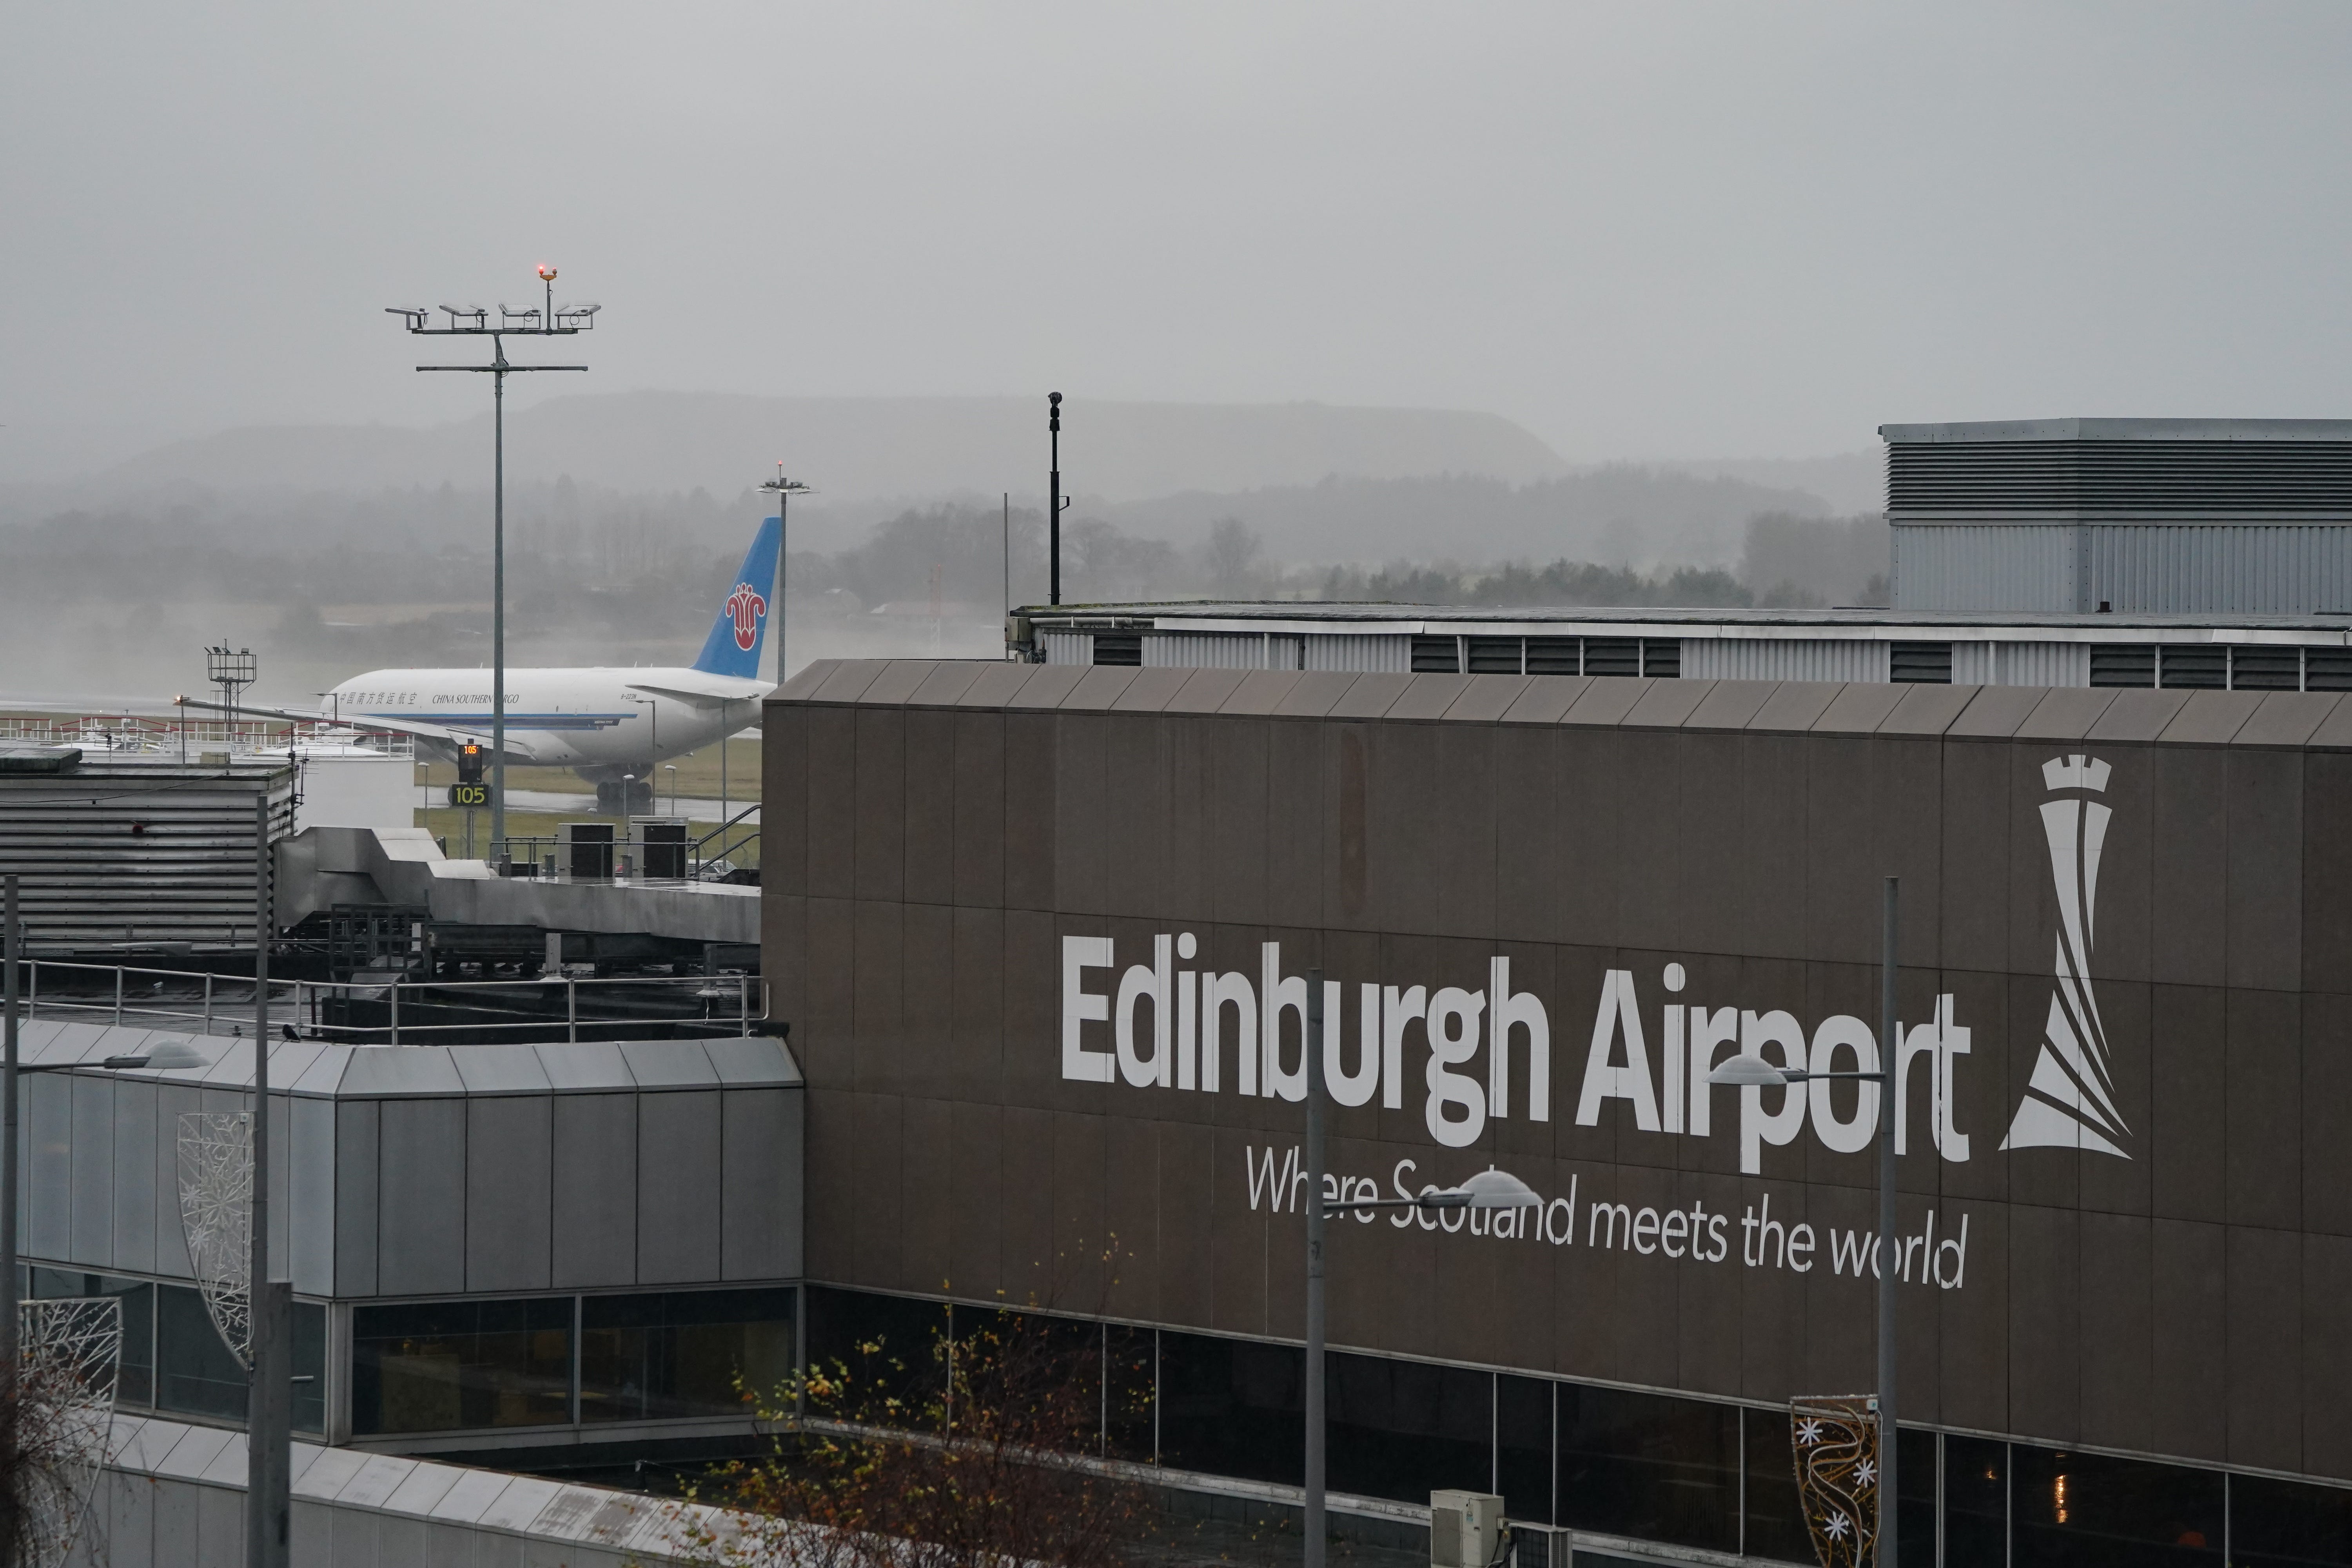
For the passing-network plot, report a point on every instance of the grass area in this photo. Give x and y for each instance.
(697, 775)
(448, 825)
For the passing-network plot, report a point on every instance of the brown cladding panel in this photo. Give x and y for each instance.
(1239, 828)
(2326, 872)
(783, 775)
(2116, 1329)
(1082, 814)
(2327, 1370)
(2188, 1403)
(2265, 839)
(2191, 865)
(2261, 1108)
(929, 778)
(880, 810)
(832, 774)
(2045, 1322)
(1528, 890)
(2263, 1348)
(1135, 810)
(1031, 745)
(979, 828)
(1298, 818)
(1466, 847)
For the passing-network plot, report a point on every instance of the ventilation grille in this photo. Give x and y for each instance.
(1920, 663)
(1975, 479)
(1436, 656)
(2123, 664)
(1119, 647)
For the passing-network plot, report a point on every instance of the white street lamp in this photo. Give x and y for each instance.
(1489, 1189)
(1750, 1070)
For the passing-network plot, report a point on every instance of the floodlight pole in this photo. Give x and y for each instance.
(783, 490)
(269, 1411)
(1054, 502)
(577, 318)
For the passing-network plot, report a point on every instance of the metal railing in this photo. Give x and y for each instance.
(369, 1012)
(540, 859)
(136, 732)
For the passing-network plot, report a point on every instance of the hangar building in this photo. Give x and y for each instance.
(1043, 935)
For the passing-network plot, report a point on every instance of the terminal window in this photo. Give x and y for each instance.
(451, 1365)
(684, 1353)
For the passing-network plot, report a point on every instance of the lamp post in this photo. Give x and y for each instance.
(783, 490)
(1055, 504)
(472, 320)
(1489, 1189)
(1749, 1070)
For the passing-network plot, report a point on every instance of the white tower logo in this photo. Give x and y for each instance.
(2069, 1102)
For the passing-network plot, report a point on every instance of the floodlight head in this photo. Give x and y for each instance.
(1494, 1189)
(412, 316)
(1749, 1070)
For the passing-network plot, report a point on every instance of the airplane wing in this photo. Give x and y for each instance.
(709, 691)
(442, 733)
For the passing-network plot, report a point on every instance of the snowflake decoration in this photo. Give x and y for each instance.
(1809, 1432)
(1866, 1473)
(216, 1211)
(1837, 1526)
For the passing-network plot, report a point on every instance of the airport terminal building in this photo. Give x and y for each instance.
(1044, 933)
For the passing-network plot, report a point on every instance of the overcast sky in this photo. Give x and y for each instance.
(1641, 229)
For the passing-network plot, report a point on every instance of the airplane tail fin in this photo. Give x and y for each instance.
(740, 632)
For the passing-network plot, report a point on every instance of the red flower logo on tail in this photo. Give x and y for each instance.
(745, 608)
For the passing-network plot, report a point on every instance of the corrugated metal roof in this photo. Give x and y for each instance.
(2313, 719)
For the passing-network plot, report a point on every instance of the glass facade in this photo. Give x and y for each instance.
(444, 1365)
(1648, 1466)
(1653, 1466)
(2069, 1508)
(172, 1357)
(700, 1353)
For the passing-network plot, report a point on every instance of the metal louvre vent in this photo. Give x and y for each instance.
(1436, 656)
(1554, 656)
(1119, 647)
(2328, 669)
(1613, 655)
(1923, 663)
(2266, 670)
(1662, 656)
(2123, 664)
(2205, 665)
(2245, 477)
(1494, 655)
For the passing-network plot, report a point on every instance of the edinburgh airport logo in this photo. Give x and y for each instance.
(2070, 1101)
(745, 606)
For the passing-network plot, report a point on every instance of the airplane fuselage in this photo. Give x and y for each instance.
(601, 721)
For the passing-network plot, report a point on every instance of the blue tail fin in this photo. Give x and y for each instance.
(741, 629)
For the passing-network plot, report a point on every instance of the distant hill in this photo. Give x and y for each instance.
(1617, 515)
(851, 448)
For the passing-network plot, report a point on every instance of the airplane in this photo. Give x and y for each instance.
(612, 725)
